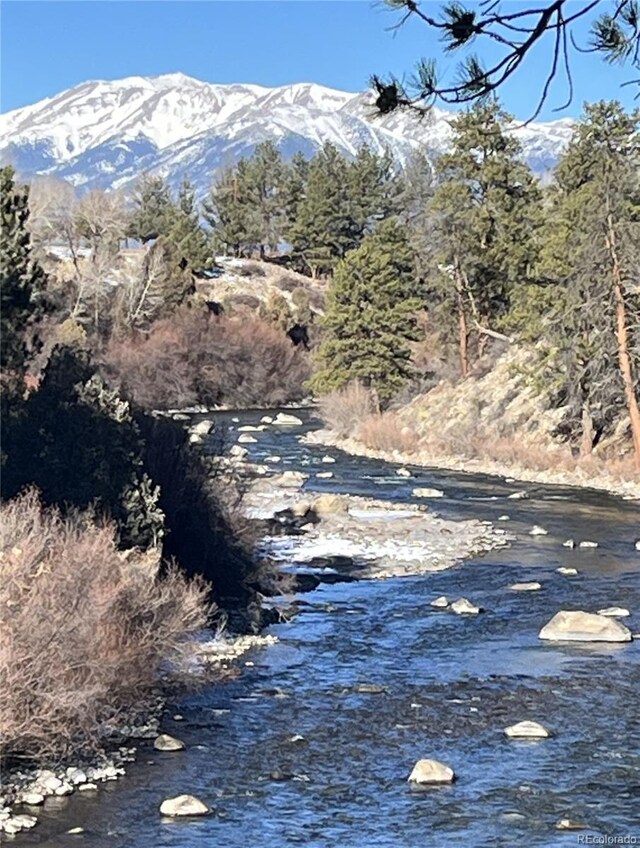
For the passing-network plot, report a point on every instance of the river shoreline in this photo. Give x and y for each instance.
(628, 490)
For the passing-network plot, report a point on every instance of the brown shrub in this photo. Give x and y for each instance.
(344, 410)
(386, 432)
(85, 629)
(197, 357)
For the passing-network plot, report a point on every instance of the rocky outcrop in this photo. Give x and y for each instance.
(579, 626)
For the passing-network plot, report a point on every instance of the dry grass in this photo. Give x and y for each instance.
(386, 432)
(345, 410)
(85, 629)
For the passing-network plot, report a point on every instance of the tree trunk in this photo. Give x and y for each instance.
(463, 332)
(624, 359)
(586, 441)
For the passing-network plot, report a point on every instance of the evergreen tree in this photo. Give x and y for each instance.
(186, 234)
(374, 189)
(230, 211)
(267, 178)
(486, 210)
(154, 211)
(593, 255)
(294, 188)
(323, 231)
(370, 317)
(22, 278)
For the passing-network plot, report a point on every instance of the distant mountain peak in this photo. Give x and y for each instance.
(106, 132)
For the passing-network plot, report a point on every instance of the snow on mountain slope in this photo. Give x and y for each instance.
(106, 133)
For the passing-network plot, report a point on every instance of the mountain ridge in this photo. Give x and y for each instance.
(104, 133)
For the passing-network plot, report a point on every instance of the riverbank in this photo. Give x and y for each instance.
(28, 790)
(627, 489)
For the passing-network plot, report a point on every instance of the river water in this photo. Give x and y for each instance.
(451, 684)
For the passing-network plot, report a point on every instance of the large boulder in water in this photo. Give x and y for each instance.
(286, 418)
(527, 730)
(579, 626)
(184, 805)
(431, 771)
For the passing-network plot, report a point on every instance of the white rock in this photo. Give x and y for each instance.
(25, 822)
(33, 799)
(503, 518)
(195, 439)
(202, 428)
(273, 459)
(246, 439)
(536, 530)
(76, 776)
(527, 730)
(441, 603)
(431, 771)
(64, 789)
(164, 742)
(517, 496)
(403, 472)
(285, 418)
(184, 805)
(289, 480)
(74, 831)
(426, 492)
(570, 824)
(566, 569)
(464, 607)
(328, 460)
(266, 419)
(87, 787)
(614, 612)
(533, 586)
(249, 428)
(49, 783)
(11, 827)
(638, 545)
(324, 475)
(587, 544)
(235, 420)
(238, 452)
(579, 626)
(569, 544)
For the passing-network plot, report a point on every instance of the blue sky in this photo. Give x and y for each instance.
(49, 46)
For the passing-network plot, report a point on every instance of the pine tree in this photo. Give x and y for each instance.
(593, 255)
(190, 240)
(230, 211)
(374, 188)
(294, 188)
(22, 278)
(154, 211)
(486, 209)
(266, 174)
(323, 231)
(370, 317)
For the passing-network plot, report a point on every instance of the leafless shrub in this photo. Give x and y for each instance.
(344, 411)
(197, 357)
(85, 629)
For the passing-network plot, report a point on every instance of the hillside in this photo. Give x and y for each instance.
(104, 134)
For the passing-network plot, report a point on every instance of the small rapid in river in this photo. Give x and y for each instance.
(442, 686)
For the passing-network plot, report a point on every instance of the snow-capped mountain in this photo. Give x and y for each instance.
(106, 133)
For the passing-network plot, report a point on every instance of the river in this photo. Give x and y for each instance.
(451, 684)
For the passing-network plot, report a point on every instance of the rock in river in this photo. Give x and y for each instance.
(579, 626)
(567, 570)
(464, 607)
(587, 544)
(533, 586)
(184, 805)
(527, 730)
(536, 530)
(614, 612)
(431, 771)
(246, 439)
(404, 472)
(440, 603)
(164, 742)
(426, 492)
(285, 418)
